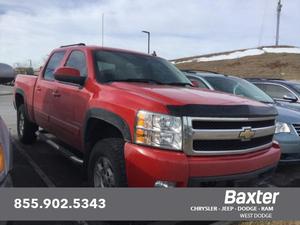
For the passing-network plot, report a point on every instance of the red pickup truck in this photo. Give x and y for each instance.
(135, 120)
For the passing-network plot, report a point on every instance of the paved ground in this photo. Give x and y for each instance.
(5, 90)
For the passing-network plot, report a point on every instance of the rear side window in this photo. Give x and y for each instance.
(52, 65)
(77, 61)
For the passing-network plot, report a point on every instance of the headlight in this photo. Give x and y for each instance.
(2, 158)
(282, 128)
(158, 130)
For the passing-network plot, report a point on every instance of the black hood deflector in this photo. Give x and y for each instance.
(242, 111)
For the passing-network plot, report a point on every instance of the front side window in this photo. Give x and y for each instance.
(53, 64)
(77, 60)
(275, 91)
(113, 66)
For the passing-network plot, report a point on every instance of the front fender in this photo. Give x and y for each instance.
(110, 118)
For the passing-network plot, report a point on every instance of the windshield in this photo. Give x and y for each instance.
(239, 87)
(129, 67)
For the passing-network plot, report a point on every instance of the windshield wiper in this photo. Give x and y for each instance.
(137, 80)
(267, 102)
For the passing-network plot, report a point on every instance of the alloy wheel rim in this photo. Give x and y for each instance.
(21, 124)
(103, 173)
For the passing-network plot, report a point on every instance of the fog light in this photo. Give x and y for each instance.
(164, 184)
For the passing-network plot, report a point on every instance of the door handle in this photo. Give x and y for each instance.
(56, 93)
(38, 88)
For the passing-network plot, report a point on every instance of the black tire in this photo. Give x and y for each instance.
(107, 154)
(26, 129)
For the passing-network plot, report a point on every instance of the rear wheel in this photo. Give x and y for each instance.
(107, 164)
(26, 129)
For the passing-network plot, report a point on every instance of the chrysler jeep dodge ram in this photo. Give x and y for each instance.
(135, 120)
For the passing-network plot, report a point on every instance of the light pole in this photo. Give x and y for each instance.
(148, 33)
(30, 62)
(279, 6)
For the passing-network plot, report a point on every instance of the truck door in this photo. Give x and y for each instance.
(44, 90)
(71, 103)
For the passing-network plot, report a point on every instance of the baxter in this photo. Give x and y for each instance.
(257, 197)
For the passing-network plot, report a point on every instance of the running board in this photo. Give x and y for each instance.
(69, 155)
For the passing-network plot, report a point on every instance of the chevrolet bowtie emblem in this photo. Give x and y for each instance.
(247, 133)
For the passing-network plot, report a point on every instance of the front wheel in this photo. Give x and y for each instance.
(26, 129)
(107, 164)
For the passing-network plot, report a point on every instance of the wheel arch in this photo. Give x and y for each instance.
(100, 124)
(19, 98)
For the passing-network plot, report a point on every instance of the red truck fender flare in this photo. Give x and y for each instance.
(19, 91)
(108, 117)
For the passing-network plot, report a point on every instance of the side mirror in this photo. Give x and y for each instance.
(69, 75)
(7, 73)
(195, 83)
(290, 98)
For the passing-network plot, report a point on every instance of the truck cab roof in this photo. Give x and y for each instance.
(82, 46)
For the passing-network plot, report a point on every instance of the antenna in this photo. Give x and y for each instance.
(102, 29)
(279, 6)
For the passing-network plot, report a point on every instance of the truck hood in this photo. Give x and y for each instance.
(188, 101)
(176, 95)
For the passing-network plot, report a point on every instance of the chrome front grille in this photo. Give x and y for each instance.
(223, 136)
(297, 128)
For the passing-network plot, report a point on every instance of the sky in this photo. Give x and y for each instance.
(30, 30)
